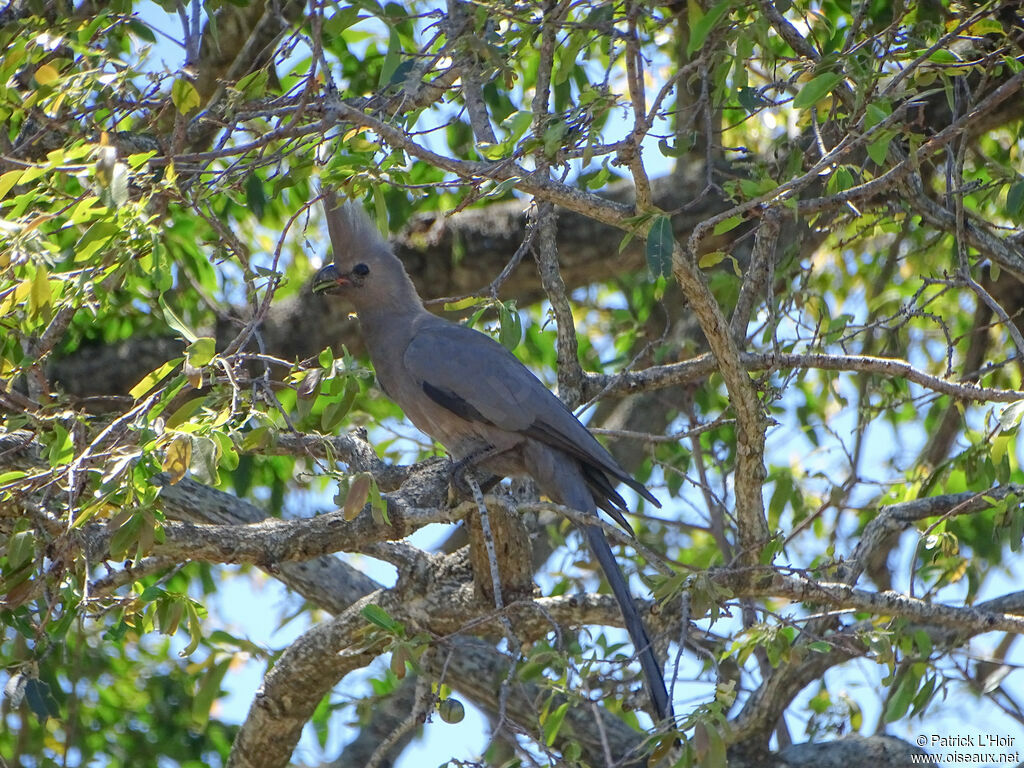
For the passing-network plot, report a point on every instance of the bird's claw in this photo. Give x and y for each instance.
(459, 488)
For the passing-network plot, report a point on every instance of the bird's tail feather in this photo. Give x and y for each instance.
(634, 623)
(564, 479)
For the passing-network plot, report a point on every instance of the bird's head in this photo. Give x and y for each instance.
(332, 280)
(365, 271)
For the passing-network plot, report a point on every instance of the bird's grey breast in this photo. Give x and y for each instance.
(387, 344)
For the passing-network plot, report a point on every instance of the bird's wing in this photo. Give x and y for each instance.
(476, 378)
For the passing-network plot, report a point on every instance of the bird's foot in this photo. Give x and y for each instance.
(459, 488)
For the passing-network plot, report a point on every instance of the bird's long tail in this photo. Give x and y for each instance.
(563, 478)
(634, 624)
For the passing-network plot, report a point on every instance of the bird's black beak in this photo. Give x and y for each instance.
(328, 280)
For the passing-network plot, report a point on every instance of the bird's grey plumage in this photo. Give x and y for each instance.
(476, 398)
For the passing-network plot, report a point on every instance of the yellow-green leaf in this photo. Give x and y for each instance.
(40, 295)
(553, 723)
(709, 260)
(153, 378)
(728, 224)
(46, 74)
(7, 181)
(254, 84)
(184, 412)
(21, 548)
(98, 236)
(455, 306)
(184, 95)
(201, 351)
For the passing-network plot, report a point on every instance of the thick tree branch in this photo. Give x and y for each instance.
(751, 423)
(299, 679)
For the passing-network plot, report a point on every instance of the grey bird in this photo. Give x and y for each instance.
(477, 399)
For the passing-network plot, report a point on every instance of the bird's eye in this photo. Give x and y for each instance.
(360, 270)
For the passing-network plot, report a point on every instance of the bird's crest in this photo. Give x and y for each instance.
(352, 232)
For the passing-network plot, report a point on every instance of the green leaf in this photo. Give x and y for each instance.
(900, 700)
(62, 449)
(510, 328)
(841, 180)
(517, 123)
(255, 197)
(96, 237)
(336, 411)
(126, 536)
(923, 642)
(322, 717)
(10, 477)
(204, 460)
(553, 723)
(660, 244)
(391, 60)
(816, 89)
(1015, 200)
(875, 113)
(342, 19)
(184, 95)
(702, 24)
(986, 27)
(376, 615)
(176, 322)
(679, 150)
(169, 613)
(195, 630)
(379, 506)
(209, 691)
(554, 135)
(879, 150)
(716, 755)
(254, 85)
(135, 161)
(757, 187)
(21, 548)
